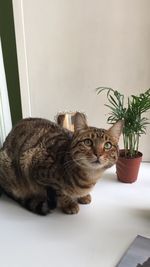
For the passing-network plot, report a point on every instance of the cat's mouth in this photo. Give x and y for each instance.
(96, 162)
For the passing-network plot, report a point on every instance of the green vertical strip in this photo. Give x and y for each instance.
(8, 40)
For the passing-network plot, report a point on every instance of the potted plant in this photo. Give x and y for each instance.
(135, 124)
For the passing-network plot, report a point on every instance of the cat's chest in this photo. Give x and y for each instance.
(78, 191)
(80, 184)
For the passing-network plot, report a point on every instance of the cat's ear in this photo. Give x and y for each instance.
(116, 130)
(80, 121)
(60, 119)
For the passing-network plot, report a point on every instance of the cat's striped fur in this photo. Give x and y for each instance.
(43, 165)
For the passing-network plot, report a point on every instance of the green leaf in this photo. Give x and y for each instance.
(134, 123)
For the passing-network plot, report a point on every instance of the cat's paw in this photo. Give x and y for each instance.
(36, 205)
(85, 200)
(43, 208)
(71, 208)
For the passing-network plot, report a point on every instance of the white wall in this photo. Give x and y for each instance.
(66, 48)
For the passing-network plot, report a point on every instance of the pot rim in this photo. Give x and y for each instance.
(139, 155)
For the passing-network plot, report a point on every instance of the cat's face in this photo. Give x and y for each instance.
(95, 148)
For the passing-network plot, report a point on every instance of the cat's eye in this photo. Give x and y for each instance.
(108, 145)
(88, 142)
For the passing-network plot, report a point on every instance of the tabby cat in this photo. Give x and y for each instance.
(43, 165)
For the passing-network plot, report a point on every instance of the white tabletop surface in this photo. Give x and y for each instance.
(96, 237)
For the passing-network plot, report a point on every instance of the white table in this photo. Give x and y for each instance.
(96, 237)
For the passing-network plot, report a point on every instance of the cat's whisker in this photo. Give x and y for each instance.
(68, 162)
(119, 167)
(122, 163)
(64, 152)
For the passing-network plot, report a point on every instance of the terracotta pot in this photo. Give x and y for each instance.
(127, 169)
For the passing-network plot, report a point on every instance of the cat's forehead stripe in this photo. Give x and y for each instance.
(95, 133)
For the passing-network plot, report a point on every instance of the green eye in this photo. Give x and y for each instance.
(88, 142)
(108, 145)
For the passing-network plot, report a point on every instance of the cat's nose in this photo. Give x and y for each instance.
(97, 159)
(98, 153)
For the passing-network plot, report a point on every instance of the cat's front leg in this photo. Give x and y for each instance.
(68, 205)
(85, 199)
